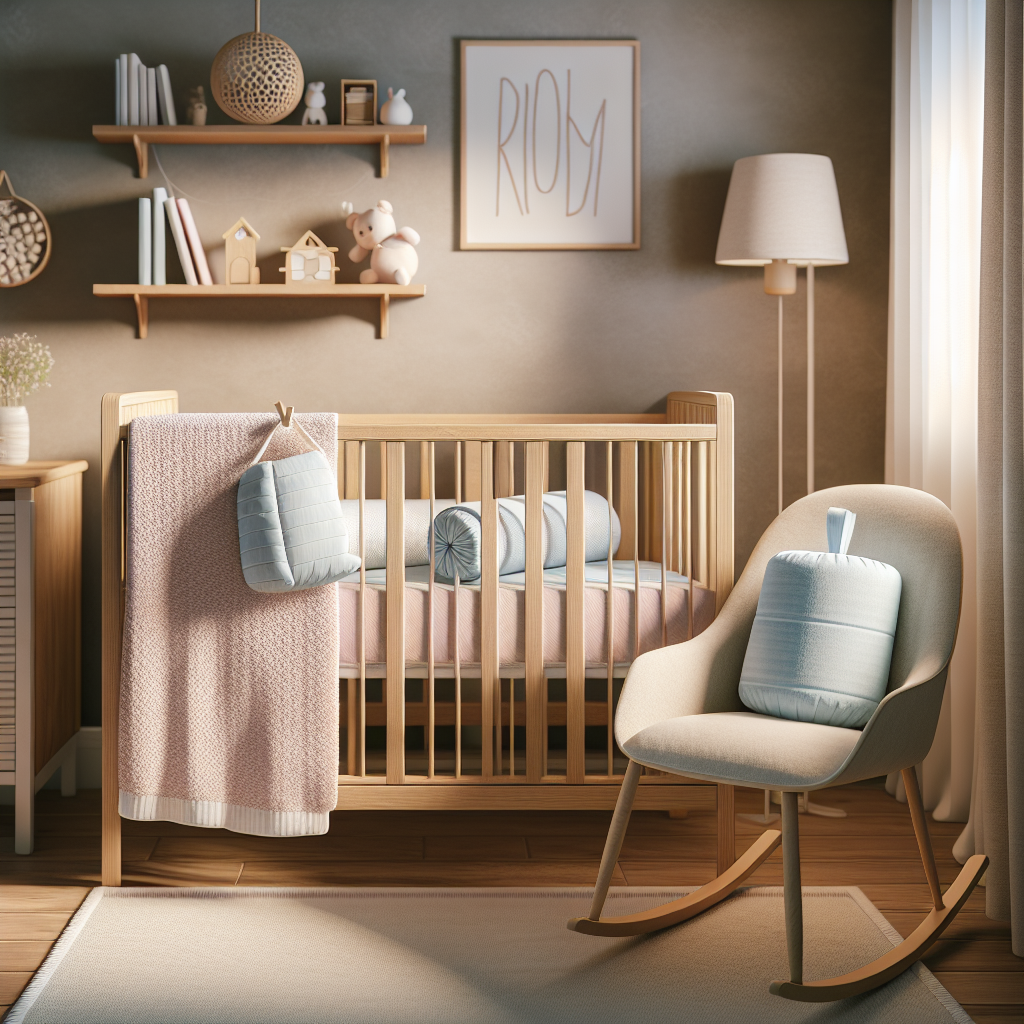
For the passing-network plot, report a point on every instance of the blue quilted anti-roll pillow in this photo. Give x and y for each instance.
(821, 643)
(291, 531)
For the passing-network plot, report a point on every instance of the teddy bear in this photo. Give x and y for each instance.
(393, 259)
(315, 103)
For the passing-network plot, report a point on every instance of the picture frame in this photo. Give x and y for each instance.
(550, 144)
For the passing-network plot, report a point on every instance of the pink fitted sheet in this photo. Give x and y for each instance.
(512, 620)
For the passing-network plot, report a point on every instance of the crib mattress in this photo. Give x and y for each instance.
(512, 618)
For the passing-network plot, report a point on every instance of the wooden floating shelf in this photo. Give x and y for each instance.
(141, 136)
(142, 293)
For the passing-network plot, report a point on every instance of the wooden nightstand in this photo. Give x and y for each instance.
(40, 631)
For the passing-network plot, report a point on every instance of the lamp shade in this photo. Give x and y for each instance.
(782, 206)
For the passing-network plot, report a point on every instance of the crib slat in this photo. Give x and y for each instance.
(627, 488)
(688, 553)
(633, 501)
(350, 726)
(473, 471)
(458, 471)
(610, 612)
(575, 648)
(458, 680)
(424, 469)
(504, 469)
(432, 486)
(536, 685)
(383, 469)
(488, 605)
(396, 612)
(713, 580)
(666, 492)
(362, 607)
(351, 469)
(701, 567)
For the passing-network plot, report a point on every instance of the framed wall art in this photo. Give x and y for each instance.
(550, 144)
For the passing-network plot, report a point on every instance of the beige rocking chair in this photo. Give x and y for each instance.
(680, 712)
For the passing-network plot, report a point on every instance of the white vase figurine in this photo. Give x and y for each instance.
(13, 435)
(396, 110)
(315, 103)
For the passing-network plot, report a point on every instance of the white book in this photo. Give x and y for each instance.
(123, 82)
(194, 242)
(143, 96)
(159, 236)
(133, 88)
(163, 87)
(117, 91)
(145, 241)
(180, 241)
(151, 105)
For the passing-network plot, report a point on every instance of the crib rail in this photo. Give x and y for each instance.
(529, 720)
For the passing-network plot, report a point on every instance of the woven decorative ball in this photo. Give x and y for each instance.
(257, 78)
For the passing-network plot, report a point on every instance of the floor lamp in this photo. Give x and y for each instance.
(782, 212)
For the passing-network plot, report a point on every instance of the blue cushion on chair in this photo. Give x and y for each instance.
(821, 643)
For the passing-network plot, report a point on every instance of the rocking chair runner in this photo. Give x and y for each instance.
(680, 712)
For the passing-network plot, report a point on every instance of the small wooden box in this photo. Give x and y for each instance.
(356, 110)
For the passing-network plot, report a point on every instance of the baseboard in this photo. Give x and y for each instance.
(88, 765)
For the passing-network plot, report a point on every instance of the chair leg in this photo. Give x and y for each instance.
(912, 948)
(793, 894)
(616, 833)
(677, 910)
(924, 840)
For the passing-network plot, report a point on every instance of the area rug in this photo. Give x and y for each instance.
(455, 956)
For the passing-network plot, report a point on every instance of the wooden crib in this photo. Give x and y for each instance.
(473, 729)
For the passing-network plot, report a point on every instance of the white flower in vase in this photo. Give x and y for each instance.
(25, 366)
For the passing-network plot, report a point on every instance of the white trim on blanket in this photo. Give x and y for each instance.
(253, 821)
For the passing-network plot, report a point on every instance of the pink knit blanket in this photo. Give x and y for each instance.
(229, 697)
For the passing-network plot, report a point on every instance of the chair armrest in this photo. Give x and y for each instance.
(697, 677)
(901, 731)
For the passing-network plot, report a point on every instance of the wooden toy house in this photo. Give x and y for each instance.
(309, 261)
(240, 254)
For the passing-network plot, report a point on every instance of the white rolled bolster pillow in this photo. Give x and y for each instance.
(458, 542)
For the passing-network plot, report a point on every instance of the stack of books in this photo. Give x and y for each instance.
(153, 240)
(142, 95)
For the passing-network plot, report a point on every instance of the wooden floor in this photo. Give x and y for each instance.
(873, 848)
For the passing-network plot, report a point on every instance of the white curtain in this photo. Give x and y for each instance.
(935, 253)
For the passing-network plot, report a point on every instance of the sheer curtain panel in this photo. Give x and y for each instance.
(935, 246)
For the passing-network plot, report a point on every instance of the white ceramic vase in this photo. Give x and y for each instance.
(13, 435)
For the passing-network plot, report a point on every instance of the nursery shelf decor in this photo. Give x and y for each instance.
(143, 293)
(24, 237)
(25, 367)
(380, 135)
(256, 77)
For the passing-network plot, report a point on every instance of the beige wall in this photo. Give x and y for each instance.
(498, 331)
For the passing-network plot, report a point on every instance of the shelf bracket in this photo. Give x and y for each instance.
(385, 154)
(142, 313)
(385, 315)
(141, 155)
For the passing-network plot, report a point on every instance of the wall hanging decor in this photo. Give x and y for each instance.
(25, 241)
(550, 144)
(309, 261)
(256, 78)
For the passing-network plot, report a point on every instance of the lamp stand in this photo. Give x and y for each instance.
(810, 378)
(780, 405)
